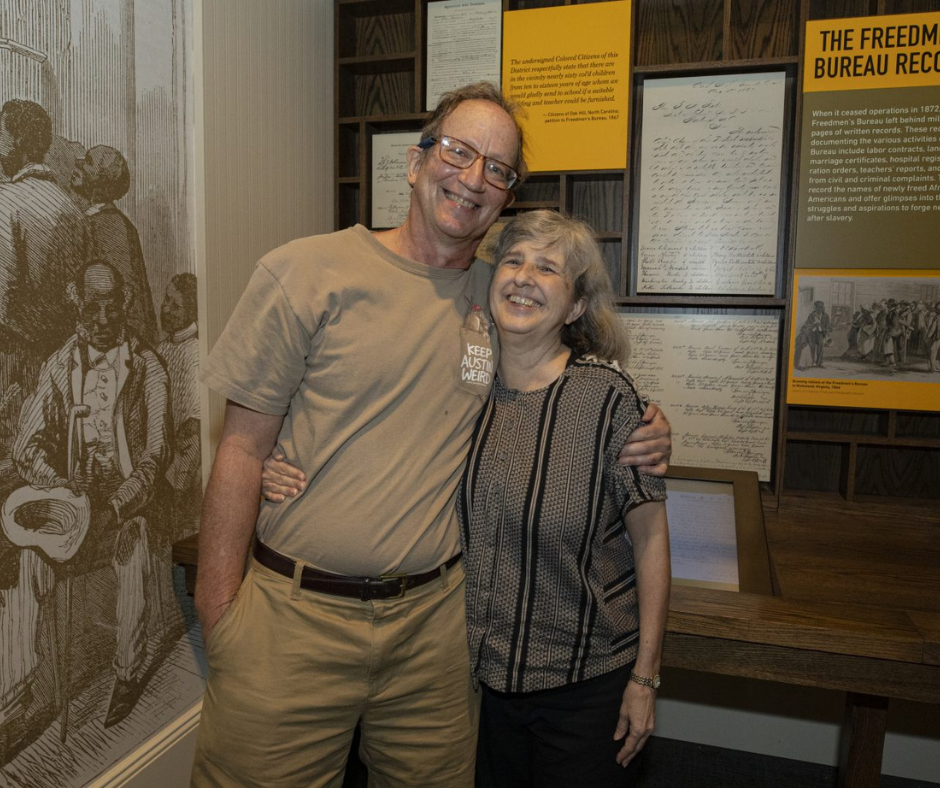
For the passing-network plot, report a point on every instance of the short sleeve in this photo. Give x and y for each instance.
(260, 359)
(625, 483)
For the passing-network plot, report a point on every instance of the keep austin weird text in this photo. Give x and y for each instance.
(477, 364)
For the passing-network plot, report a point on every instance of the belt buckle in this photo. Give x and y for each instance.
(402, 576)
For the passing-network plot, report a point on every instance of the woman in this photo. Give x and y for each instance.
(561, 604)
(566, 551)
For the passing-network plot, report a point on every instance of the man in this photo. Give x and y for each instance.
(42, 244)
(102, 178)
(905, 329)
(892, 333)
(932, 338)
(817, 330)
(125, 437)
(180, 353)
(365, 359)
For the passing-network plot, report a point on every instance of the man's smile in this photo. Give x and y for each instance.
(463, 203)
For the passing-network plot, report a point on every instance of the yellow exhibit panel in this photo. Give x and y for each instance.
(863, 338)
(569, 67)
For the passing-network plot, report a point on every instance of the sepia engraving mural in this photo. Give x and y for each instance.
(99, 412)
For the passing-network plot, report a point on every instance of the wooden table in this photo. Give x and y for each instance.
(846, 601)
(870, 653)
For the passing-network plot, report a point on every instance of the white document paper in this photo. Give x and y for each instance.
(703, 541)
(715, 377)
(391, 193)
(464, 45)
(710, 174)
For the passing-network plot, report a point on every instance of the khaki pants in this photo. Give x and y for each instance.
(292, 671)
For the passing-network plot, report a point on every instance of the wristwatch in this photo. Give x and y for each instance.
(652, 683)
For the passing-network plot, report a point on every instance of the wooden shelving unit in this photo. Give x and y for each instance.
(850, 456)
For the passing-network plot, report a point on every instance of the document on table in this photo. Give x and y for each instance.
(702, 537)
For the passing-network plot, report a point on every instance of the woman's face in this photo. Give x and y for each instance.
(532, 293)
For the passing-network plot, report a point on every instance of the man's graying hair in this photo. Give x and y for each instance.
(478, 91)
(599, 331)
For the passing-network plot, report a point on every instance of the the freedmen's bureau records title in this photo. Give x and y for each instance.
(879, 51)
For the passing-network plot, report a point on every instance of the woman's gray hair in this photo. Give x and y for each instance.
(478, 91)
(599, 331)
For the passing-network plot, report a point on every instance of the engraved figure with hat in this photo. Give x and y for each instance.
(97, 428)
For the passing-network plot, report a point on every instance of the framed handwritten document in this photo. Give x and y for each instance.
(715, 376)
(711, 174)
(703, 547)
(716, 530)
(391, 193)
(464, 45)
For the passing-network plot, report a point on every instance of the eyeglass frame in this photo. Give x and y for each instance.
(428, 142)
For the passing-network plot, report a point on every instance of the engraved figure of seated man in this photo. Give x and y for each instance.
(125, 450)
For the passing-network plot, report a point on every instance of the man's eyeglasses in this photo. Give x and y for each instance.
(459, 154)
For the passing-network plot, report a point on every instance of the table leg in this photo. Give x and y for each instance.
(862, 741)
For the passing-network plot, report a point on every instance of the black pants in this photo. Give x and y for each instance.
(557, 738)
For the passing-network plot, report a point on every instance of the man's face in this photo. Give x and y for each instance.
(81, 176)
(9, 162)
(102, 309)
(173, 316)
(85, 174)
(450, 205)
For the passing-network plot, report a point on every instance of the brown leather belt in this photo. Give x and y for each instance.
(364, 588)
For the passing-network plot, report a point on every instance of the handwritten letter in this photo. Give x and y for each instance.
(703, 543)
(464, 39)
(391, 193)
(715, 377)
(710, 184)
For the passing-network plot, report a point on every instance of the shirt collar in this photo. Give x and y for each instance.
(95, 357)
(183, 334)
(98, 207)
(32, 171)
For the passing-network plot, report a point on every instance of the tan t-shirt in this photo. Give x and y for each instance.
(382, 366)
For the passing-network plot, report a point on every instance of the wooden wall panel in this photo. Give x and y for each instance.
(763, 28)
(910, 6)
(836, 9)
(862, 422)
(897, 472)
(368, 92)
(598, 200)
(814, 467)
(678, 32)
(391, 34)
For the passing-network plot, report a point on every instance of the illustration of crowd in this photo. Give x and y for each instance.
(889, 334)
(99, 420)
(894, 334)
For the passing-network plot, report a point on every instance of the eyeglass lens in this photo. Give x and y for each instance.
(459, 154)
